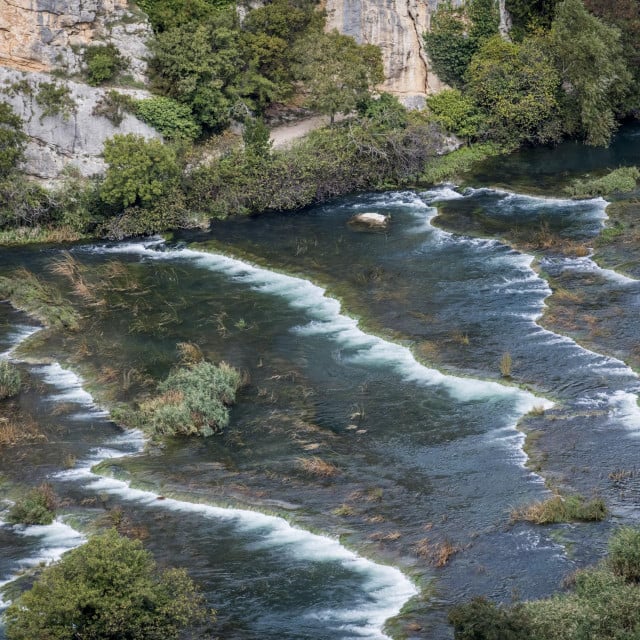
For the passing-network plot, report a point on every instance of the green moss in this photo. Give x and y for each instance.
(458, 162)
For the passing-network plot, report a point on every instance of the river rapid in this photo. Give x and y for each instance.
(377, 353)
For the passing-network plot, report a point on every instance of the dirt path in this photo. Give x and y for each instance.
(284, 135)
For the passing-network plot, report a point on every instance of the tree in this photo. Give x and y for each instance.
(139, 171)
(517, 86)
(12, 139)
(456, 113)
(108, 589)
(338, 72)
(589, 56)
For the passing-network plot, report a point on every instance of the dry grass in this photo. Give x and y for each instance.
(436, 553)
(564, 295)
(505, 365)
(344, 511)
(13, 432)
(460, 338)
(619, 475)
(428, 350)
(316, 466)
(392, 536)
(561, 509)
(190, 353)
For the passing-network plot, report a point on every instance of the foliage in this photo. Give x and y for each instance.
(256, 137)
(457, 113)
(516, 85)
(55, 99)
(197, 64)
(338, 73)
(385, 111)
(452, 166)
(192, 400)
(562, 509)
(77, 203)
(594, 74)
(103, 63)
(108, 589)
(481, 619)
(349, 157)
(38, 507)
(624, 554)
(603, 604)
(139, 170)
(622, 180)
(171, 118)
(529, 16)
(10, 380)
(456, 34)
(164, 14)
(28, 293)
(12, 139)
(113, 106)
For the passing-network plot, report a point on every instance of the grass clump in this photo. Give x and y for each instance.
(27, 292)
(38, 507)
(192, 400)
(316, 466)
(562, 509)
(458, 162)
(624, 554)
(10, 380)
(619, 180)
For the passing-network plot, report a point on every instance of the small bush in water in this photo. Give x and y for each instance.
(38, 507)
(9, 379)
(193, 400)
(562, 509)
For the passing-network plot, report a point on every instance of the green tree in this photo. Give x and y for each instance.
(12, 139)
(589, 56)
(103, 63)
(456, 34)
(517, 87)
(108, 589)
(172, 119)
(139, 172)
(456, 113)
(338, 72)
(197, 64)
(256, 136)
(529, 16)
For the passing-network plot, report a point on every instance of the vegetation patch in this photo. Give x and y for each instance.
(562, 509)
(192, 400)
(453, 165)
(103, 63)
(37, 507)
(25, 291)
(620, 180)
(10, 380)
(108, 588)
(603, 603)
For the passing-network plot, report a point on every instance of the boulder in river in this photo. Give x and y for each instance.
(371, 220)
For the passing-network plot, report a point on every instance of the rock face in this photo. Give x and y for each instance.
(43, 35)
(74, 139)
(396, 26)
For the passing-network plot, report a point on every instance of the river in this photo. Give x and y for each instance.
(376, 353)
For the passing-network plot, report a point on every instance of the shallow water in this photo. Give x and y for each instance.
(379, 353)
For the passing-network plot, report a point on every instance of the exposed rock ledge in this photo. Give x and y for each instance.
(56, 142)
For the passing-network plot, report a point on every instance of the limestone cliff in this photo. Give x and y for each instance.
(43, 35)
(59, 140)
(396, 26)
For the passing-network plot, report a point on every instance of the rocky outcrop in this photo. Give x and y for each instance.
(43, 35)
(73, 137)
(396, 26)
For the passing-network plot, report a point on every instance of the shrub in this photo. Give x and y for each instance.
(113, 106)
(624, 554)
(622, 180)
(103, 63)
(562, 509)
(12, 139)
(55, 99)
(38, 507)
(455, 164)
(10, 380)
(108, 588)
(481, 619)
(456, 113)
(139, 170)
(172, 119)
(193, 400)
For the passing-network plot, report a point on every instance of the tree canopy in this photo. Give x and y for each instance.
(108, 589)
(12, 139)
